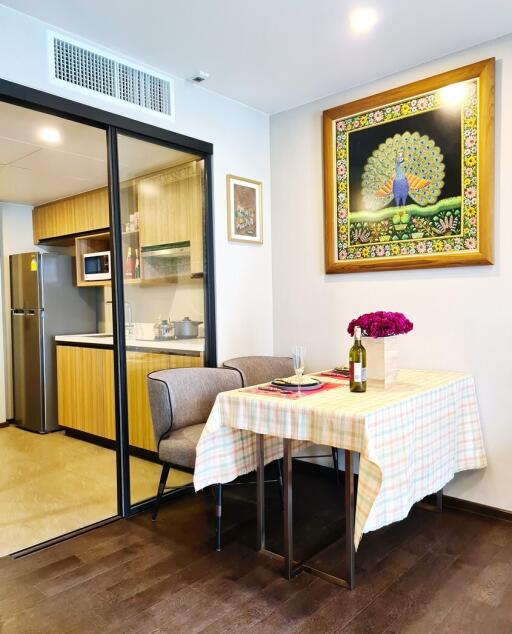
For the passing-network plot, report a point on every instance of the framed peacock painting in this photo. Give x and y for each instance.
(408, 175)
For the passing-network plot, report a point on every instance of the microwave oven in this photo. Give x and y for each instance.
(96, 266)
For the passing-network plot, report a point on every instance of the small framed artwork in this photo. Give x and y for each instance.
(408, 175)
(245, 222)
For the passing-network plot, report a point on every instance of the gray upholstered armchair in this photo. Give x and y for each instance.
(255, 370)
(181, 401)
(262, 369)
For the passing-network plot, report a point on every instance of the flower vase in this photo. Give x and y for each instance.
(381, 359)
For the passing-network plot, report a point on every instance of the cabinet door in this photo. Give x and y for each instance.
(163, 203)
(85, 390)
(53, 219)
(196, 210)
(79, 214)
(139, 365)
(91, 211)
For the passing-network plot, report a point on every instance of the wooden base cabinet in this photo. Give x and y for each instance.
(85, 390)
(85, 386)
(139, 365)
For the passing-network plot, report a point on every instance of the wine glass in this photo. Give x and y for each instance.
(298, 364)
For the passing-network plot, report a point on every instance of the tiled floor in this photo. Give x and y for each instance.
(53, 484)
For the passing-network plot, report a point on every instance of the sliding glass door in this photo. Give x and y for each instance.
(161, 218)
(148, 236)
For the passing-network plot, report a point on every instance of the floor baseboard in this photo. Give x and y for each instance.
(449, 502)
(476, 508)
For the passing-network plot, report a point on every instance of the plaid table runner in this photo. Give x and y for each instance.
(412, 437)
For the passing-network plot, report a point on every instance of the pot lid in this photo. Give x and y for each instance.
(187, 320)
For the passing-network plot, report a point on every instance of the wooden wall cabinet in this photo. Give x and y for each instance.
(170, 206)
(77, 214)
(196, 213)
(85, 387)
(162, 202)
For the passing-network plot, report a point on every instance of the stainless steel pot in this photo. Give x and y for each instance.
(186, 328)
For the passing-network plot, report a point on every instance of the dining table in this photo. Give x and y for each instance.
(411, 439)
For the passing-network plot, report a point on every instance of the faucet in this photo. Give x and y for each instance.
(129, 313)
(129, 326)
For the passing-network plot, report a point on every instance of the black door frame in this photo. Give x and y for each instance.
(114, 124)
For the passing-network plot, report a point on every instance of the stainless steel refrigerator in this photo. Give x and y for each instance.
(44, 302)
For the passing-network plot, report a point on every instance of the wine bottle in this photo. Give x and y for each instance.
(357, 362)
(137, 264)
(129, 267)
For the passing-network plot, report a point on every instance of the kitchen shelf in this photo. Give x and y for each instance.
(90, 243)
(156, 281)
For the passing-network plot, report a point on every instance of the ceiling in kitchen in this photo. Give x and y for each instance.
(34, 170)
(276, 54)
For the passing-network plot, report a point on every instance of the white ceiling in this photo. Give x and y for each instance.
(276, 54)
(33, 171)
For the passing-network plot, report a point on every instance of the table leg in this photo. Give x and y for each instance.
(439, 500)
(349, 519)
(288, 509)
(260, 492)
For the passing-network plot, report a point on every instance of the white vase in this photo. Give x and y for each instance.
(381, 359)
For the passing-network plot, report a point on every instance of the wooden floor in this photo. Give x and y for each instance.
(449, 572)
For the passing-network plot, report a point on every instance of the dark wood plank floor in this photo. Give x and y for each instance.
(449, 572)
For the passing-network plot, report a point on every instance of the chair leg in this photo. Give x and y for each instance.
(280, 479)
(335, 460)
(218, 516)
(161, 488)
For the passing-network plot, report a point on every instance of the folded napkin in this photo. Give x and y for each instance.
(335, 374)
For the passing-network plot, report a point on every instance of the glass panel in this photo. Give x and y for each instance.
(162, 223)
(57, 366)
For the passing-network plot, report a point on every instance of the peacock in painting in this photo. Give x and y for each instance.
(404, 166)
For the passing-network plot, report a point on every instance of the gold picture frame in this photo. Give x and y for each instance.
(409, 175)
(244, 209)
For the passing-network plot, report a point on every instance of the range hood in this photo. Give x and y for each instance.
(167, 251)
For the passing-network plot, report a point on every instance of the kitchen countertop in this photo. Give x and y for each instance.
(99, 340)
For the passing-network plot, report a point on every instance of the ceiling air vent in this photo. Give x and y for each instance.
(113, 78)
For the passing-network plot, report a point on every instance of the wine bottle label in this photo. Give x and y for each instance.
(359, 373)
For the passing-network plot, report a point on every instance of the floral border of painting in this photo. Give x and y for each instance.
(464, 219)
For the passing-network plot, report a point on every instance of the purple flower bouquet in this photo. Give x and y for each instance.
(381, 324)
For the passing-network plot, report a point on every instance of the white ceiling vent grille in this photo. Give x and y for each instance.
(111, 77)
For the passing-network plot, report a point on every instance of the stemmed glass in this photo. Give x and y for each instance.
(298, 364)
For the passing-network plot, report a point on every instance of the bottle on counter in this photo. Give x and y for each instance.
(156, 328)
(129, 267)
(137, 264)
(357, 364)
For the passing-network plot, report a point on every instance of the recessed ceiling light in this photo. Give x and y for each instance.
(363, 19)
(49, 135)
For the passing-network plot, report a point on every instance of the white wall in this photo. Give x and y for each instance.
(462, 316)
(151, 302)
(240, 137)
(15, 237)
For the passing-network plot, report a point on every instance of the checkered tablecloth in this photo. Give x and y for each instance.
(412, 437)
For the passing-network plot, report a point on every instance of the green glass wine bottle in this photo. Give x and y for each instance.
(357, 363)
